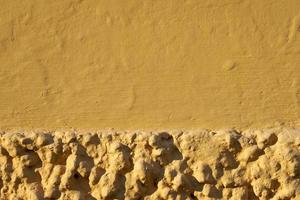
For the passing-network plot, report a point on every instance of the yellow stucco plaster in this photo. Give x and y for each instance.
(149, 63)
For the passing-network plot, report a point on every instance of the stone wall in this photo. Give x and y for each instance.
(196, 164)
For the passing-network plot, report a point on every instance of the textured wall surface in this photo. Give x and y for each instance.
(148, 64)
(248, 165)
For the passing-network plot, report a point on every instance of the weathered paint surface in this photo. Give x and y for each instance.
(149, 64)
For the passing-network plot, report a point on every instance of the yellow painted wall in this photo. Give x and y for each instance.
(149, 63)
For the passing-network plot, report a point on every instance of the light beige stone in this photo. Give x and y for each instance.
(157, 165)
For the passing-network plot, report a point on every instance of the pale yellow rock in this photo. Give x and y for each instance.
(57, 165)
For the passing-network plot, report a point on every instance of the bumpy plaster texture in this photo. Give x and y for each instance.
(198, 164)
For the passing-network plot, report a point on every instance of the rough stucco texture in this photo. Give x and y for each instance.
(229, 165)
(144, 64)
